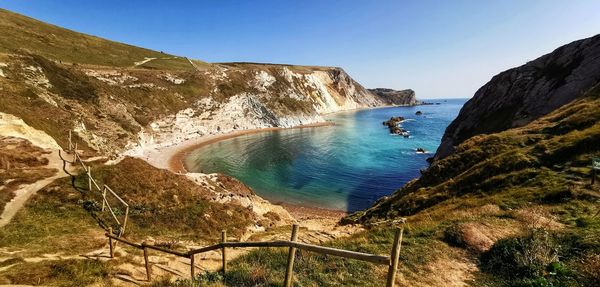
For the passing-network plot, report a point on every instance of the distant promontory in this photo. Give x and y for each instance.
(397, 97)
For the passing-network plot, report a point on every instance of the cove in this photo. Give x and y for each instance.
(346, 166)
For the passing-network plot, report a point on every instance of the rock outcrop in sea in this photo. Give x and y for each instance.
(393, 125)
(520, 95)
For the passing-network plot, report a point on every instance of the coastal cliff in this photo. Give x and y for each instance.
(399, 98)
(523, 94)
(527, 125)
(119, 98)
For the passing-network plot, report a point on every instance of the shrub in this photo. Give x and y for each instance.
(521, 257)
(589, 270)
(453, 236)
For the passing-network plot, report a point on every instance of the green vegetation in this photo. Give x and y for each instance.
(165, 204)
(534, 175)
(71, 272)
(514, 167)
(266, 266)
(20, 33)
(53, 221)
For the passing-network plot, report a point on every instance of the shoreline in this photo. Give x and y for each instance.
(180, 151)
(172, 157)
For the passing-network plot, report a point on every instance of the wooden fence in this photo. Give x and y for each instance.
(391, 261)
(105, 191)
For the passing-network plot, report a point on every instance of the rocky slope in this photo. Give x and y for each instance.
(520, 95)
(513, 187)
(399, 98)
(134, 98)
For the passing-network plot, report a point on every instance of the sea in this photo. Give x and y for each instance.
(346, 166)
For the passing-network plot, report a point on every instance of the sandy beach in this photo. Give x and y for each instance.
(172, 157)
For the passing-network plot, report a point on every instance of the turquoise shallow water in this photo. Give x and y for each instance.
(347, 166)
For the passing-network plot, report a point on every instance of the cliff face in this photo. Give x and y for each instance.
(525, 136)
(121, 98)
(398, 98)
(261, 96)
(520, 95)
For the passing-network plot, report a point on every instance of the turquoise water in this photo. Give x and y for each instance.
(346, 166)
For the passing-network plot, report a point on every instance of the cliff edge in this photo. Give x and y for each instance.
(397, 97)
(520, 95)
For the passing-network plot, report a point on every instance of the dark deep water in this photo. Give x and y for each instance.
(347, 166)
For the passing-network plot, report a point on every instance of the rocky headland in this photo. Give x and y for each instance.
(523, 94)
(397, 97)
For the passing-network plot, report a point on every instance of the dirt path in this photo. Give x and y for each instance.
(26, 191)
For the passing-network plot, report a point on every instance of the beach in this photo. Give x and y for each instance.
(172, 157)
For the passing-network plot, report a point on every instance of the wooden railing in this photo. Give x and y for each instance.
(93, 186)
(292, 244)
(391, 261)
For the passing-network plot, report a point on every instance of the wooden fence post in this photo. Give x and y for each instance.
(223, 252)
(291, 256)
(89, 174)
(147, 263)
(110, 243)
(192, 267)
(394, 258)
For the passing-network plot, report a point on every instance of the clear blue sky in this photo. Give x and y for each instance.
(438, 48)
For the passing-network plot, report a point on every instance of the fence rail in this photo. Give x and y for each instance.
(391, 261)
(93, 186)
(292, 244)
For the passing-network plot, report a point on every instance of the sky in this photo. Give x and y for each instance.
(440, 49)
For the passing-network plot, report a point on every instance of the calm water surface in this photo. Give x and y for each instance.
(347, 166)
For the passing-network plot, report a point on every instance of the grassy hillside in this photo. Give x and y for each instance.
(549, 156)
(520, 201)
(508, 209)
(19, 33)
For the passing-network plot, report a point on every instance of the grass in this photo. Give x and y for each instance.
(516, 166)
(168, 205)
(266, 266)
(164, 205)
(21, 33)
(53, 221)
(72, 272)
(20, 163)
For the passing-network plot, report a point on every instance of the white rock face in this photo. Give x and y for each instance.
(11, 126)
(321, 91)
(258, 205)
(35, 76)
(3, 65)
(173, 79)
(263, 80)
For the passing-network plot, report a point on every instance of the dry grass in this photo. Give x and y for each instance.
(23, 33)
(73, 272)
(20, 163)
